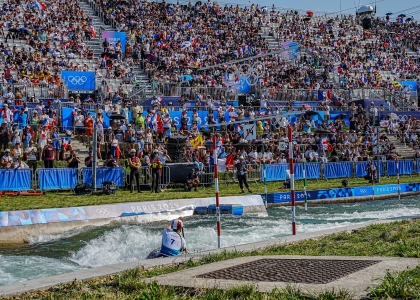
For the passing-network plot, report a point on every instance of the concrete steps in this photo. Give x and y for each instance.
(402, 149)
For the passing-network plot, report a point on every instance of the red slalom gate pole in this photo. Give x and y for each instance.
(292, 180)
(398, 179)
(216, 187)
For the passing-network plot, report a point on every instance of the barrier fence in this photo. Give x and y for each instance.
(68, 178)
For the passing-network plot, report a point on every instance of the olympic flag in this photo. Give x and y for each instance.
(79, 81)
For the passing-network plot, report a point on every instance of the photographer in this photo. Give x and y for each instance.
(73, 161)
(371, 172)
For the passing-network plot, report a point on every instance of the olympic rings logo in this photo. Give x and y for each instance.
(363, 191)
(103, 211)
(77, 80)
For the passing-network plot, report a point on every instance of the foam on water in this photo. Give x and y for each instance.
(55, 254)
(21, 268)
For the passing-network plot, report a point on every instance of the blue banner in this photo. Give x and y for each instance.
(365, 191)
(409, 85)
(405, 167)
(79, 81)
(104, 174)
(114, 36)
(275, 172)
(57, 179)
(244, 85)
(15, 180)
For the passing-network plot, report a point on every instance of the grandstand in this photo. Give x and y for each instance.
(166, 68)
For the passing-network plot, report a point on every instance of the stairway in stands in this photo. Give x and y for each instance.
(96, 45)
(403, 150)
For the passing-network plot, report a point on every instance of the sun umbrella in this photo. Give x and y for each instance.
(322, 131)
(186, 77)
(401, 16)
(330, 21)
(396, 83)
(306, 19)
(388, 14)
(150, 57)
(14, 30)
(116, 117)
(340, 116)
(310, 13)
(408, 19)
(310, 113)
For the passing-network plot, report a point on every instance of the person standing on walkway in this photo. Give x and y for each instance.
(241, 170)
(134, 164)
(156, 167)
(48, 154)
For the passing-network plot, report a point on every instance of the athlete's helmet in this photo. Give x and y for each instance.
(176, 224)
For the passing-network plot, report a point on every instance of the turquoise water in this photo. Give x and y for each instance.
(56, 254)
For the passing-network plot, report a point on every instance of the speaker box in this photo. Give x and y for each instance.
(175, 145)
(367, 23)
(242, 100)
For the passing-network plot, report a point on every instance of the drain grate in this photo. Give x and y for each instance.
(315, 271)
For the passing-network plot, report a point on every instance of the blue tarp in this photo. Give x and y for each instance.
(15, 180)
(338, 169)
(104, 174)
(405, 166)
(56, 179)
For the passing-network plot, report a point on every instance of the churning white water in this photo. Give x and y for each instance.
(55, 254)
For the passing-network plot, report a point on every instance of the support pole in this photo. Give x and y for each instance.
(95, 156)
(379, 153)
(216, 187)
(305, 195)
(372, 178)
(292, 180)
(398, 179)
(264, 177)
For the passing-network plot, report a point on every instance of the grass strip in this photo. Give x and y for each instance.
(397, 239)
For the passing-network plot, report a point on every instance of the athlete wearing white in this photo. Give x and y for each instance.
(172, 241)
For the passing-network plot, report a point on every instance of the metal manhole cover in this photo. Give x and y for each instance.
(315, 271)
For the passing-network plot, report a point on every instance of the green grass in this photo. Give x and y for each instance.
(67, 198)
(397, 239)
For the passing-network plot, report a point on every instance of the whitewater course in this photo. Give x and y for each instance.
(41, 243)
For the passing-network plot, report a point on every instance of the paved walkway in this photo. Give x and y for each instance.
(372, 272)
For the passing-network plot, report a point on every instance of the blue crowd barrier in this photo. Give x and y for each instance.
(104, 174)
(418, 166)
(405, 167)
(56, 179)
(15, 180)
(338, 170)
(275, 172)
(381, 169)
(313, 171)
(361, 168)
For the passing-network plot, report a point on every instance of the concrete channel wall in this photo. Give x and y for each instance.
(17, 227)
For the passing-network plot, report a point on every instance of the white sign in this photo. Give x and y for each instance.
(384, 158)
(250, 132)
(282, 146)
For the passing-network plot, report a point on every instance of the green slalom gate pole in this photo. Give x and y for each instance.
(305, 195)
(265, 177)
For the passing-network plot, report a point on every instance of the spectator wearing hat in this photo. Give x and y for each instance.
(17, 150)
(48, 155)
(241, 171)
(134, 164)
(192, 181)
(156, 170)
(79, 123)
(7, 114)
(7, 160)
(31, 155)
(20, 164)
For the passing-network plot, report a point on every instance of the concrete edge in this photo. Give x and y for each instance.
(46, 282)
